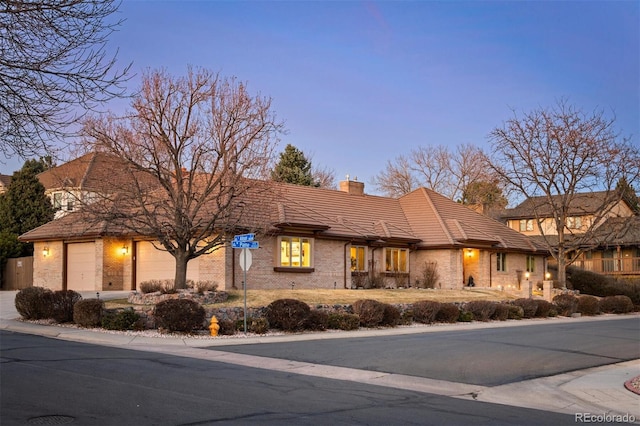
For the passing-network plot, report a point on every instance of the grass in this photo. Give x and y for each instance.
(258, 298)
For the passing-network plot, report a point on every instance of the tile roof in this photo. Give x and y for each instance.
(581, 204)
(422, 218)
(5, 180)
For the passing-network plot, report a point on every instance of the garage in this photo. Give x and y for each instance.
(154, 264)
(81, 266)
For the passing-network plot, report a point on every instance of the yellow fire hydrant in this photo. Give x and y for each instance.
(214, 326)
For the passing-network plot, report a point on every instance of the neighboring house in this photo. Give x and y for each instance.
(76, 181)
(5, 180)
(614, 245)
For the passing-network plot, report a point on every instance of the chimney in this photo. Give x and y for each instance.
(352, 186)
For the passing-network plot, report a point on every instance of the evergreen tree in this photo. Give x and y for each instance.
(293, 167)
(628, 193)
(23, 207)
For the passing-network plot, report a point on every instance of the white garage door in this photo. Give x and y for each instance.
(154, 264)
(81, 266)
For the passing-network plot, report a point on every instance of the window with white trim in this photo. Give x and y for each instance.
(57, 200)
(574, 222)
(295, 252)
(526, 225)
(531, 264)
(396, 260)
(501, 262)
(358, 258)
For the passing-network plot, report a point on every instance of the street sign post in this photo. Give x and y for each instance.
(245, 242)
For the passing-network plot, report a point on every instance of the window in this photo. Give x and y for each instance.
(526, 225)
(531, 264)
(501, 262)
(57, 200)
(69, 205)
(396, 260)
(295, 252)
(358, 260)
(574, 222)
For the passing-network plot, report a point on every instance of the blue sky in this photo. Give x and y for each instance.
(358, 83)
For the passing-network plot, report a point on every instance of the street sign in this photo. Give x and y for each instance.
(245, 244)
(244, 237)
(245, 259)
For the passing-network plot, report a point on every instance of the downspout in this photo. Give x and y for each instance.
(233, 269)
(490, 271)
(344, 259)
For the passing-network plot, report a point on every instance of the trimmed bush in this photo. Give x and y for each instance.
(545, 308)
(391, 317)
(529, 307)
(501, 312)
(465, 316)
(183, 315)
(202, 286)
(88, 312)
(317, 320)
(516, 312)
(448, 312)
(595, 284)
(588, 305)
(62, 303)
(287, 314)
(616, 304)
(34, 303)
(425, 311)
(406, 317)
(257, 325)
(371, 312)
(121, 319)
(227, 328)
(343, 321)
(566, 304)
(481, 309)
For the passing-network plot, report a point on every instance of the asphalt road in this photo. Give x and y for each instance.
(49, 381)
(487, 357)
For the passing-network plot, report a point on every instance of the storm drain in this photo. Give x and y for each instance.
(54, 419)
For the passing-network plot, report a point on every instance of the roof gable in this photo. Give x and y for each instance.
(581, 204)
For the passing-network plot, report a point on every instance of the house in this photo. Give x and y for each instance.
(316, 238)
(5, 180)
(613, 243)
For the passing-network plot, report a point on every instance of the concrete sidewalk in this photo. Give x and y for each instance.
(596, 392)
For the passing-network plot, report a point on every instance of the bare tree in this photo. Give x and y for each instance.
(562, 155)
(190, 146)
(397, 178)
(53, 68)
(437, 168)
(325, 178)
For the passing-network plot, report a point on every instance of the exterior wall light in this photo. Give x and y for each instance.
(124, 250)
(547, 275)
(45, 251)
(526, 275)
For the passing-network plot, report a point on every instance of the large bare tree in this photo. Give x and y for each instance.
(190, 146)
(54, 67)
(447, 172)
(558, 156)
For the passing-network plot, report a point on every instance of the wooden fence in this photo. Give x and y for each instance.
(18, 273)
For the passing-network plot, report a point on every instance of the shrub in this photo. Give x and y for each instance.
(516, 312)
(595, 284)
(425, 311)
(151, 286)
(34, 303)
(544, 308)
(121, 319)
(501, 312)
(202, 286)
(62, 302)
(482, 310)
(343, 321)
(184, 315)
(529, 307)
(465, 316)
(371, 312)
(88, 312)
(287, 314)
(429, 275)
(566, 304)
(448, 312)
(227, 328)
(374, 281)
(317, 320)
(616, 304)
(588, 305)
(391, 316)
(258, 325)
